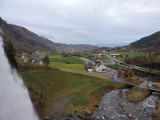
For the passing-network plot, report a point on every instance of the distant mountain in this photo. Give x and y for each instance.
(149, 43)
(25, 40)
(111, 45)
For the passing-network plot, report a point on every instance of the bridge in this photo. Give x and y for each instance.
(140, 86)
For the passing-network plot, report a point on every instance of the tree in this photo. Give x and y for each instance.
(46, 60)
(130, 73)
(90, 65)
(10, 53)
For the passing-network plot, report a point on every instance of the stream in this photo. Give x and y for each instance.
(115, 107)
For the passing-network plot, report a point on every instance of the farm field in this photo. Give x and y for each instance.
(130, 54)
(58, 61)
(60, 58)
(77, 67)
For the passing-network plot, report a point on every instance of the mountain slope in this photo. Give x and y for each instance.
(149, 43)
(25, 40)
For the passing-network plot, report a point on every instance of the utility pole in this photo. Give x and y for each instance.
(148, 83)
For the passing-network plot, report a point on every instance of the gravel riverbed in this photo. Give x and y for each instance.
(115, 107)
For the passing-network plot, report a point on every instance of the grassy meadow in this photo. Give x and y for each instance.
(47, 86)
(130, 54)
(58, 61)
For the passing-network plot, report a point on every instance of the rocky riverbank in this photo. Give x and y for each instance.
(116, 107)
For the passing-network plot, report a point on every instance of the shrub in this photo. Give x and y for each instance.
(130, 73)
(32, 66)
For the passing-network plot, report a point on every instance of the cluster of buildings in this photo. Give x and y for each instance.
(27, 58)
(122, 73)
(99, 68)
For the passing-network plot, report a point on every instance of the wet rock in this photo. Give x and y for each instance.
(119, 108)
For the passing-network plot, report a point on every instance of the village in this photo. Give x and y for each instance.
(101, 63)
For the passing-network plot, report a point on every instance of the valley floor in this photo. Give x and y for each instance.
(51, 88)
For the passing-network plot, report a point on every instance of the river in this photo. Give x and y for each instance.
(115, 107)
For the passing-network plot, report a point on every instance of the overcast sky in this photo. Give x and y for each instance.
(85, 21)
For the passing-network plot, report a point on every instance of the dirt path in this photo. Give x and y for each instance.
(58, 111)
(58, 107)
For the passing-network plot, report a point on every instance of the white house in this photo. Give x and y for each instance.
(43, 53)
(115, 55)
(26, 59)
(100, 68)
(90, 70)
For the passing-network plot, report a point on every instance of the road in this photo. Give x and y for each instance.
(133, 66)
(87, 60)
(112, 73)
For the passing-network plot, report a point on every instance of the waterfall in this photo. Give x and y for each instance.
(15, 103)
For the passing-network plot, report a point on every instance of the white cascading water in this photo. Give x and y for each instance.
(15, 103)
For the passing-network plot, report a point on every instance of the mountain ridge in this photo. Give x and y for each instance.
(26, 40)
(148, 43)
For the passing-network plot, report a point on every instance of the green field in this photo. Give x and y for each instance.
(130, 54)
(106, 57)
(77, 67)
(60, 58)
(46, 86)
(58, 61)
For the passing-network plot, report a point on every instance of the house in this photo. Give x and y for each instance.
(35, 59)
(67, 56)
(90, 70)
(122, 73)
(116, 55)
(98, 57)
(41, 53)
(23, 57)
(100, 68)
(26, 59)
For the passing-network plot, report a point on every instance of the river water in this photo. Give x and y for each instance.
(15, 103)
(115, 107)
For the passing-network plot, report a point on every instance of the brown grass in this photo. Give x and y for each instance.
(133, 80)
(137, 94)
(156, 113)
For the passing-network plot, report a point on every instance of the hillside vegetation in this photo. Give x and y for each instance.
(27, 41)
(148, 43)
(45, 87)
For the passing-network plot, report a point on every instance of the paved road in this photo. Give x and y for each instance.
(112, 73)
(87, 60)
(133, 66)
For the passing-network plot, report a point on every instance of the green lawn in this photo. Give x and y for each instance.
(106, 57)
(46, 86)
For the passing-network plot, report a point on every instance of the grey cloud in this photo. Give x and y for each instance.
(85, 21)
